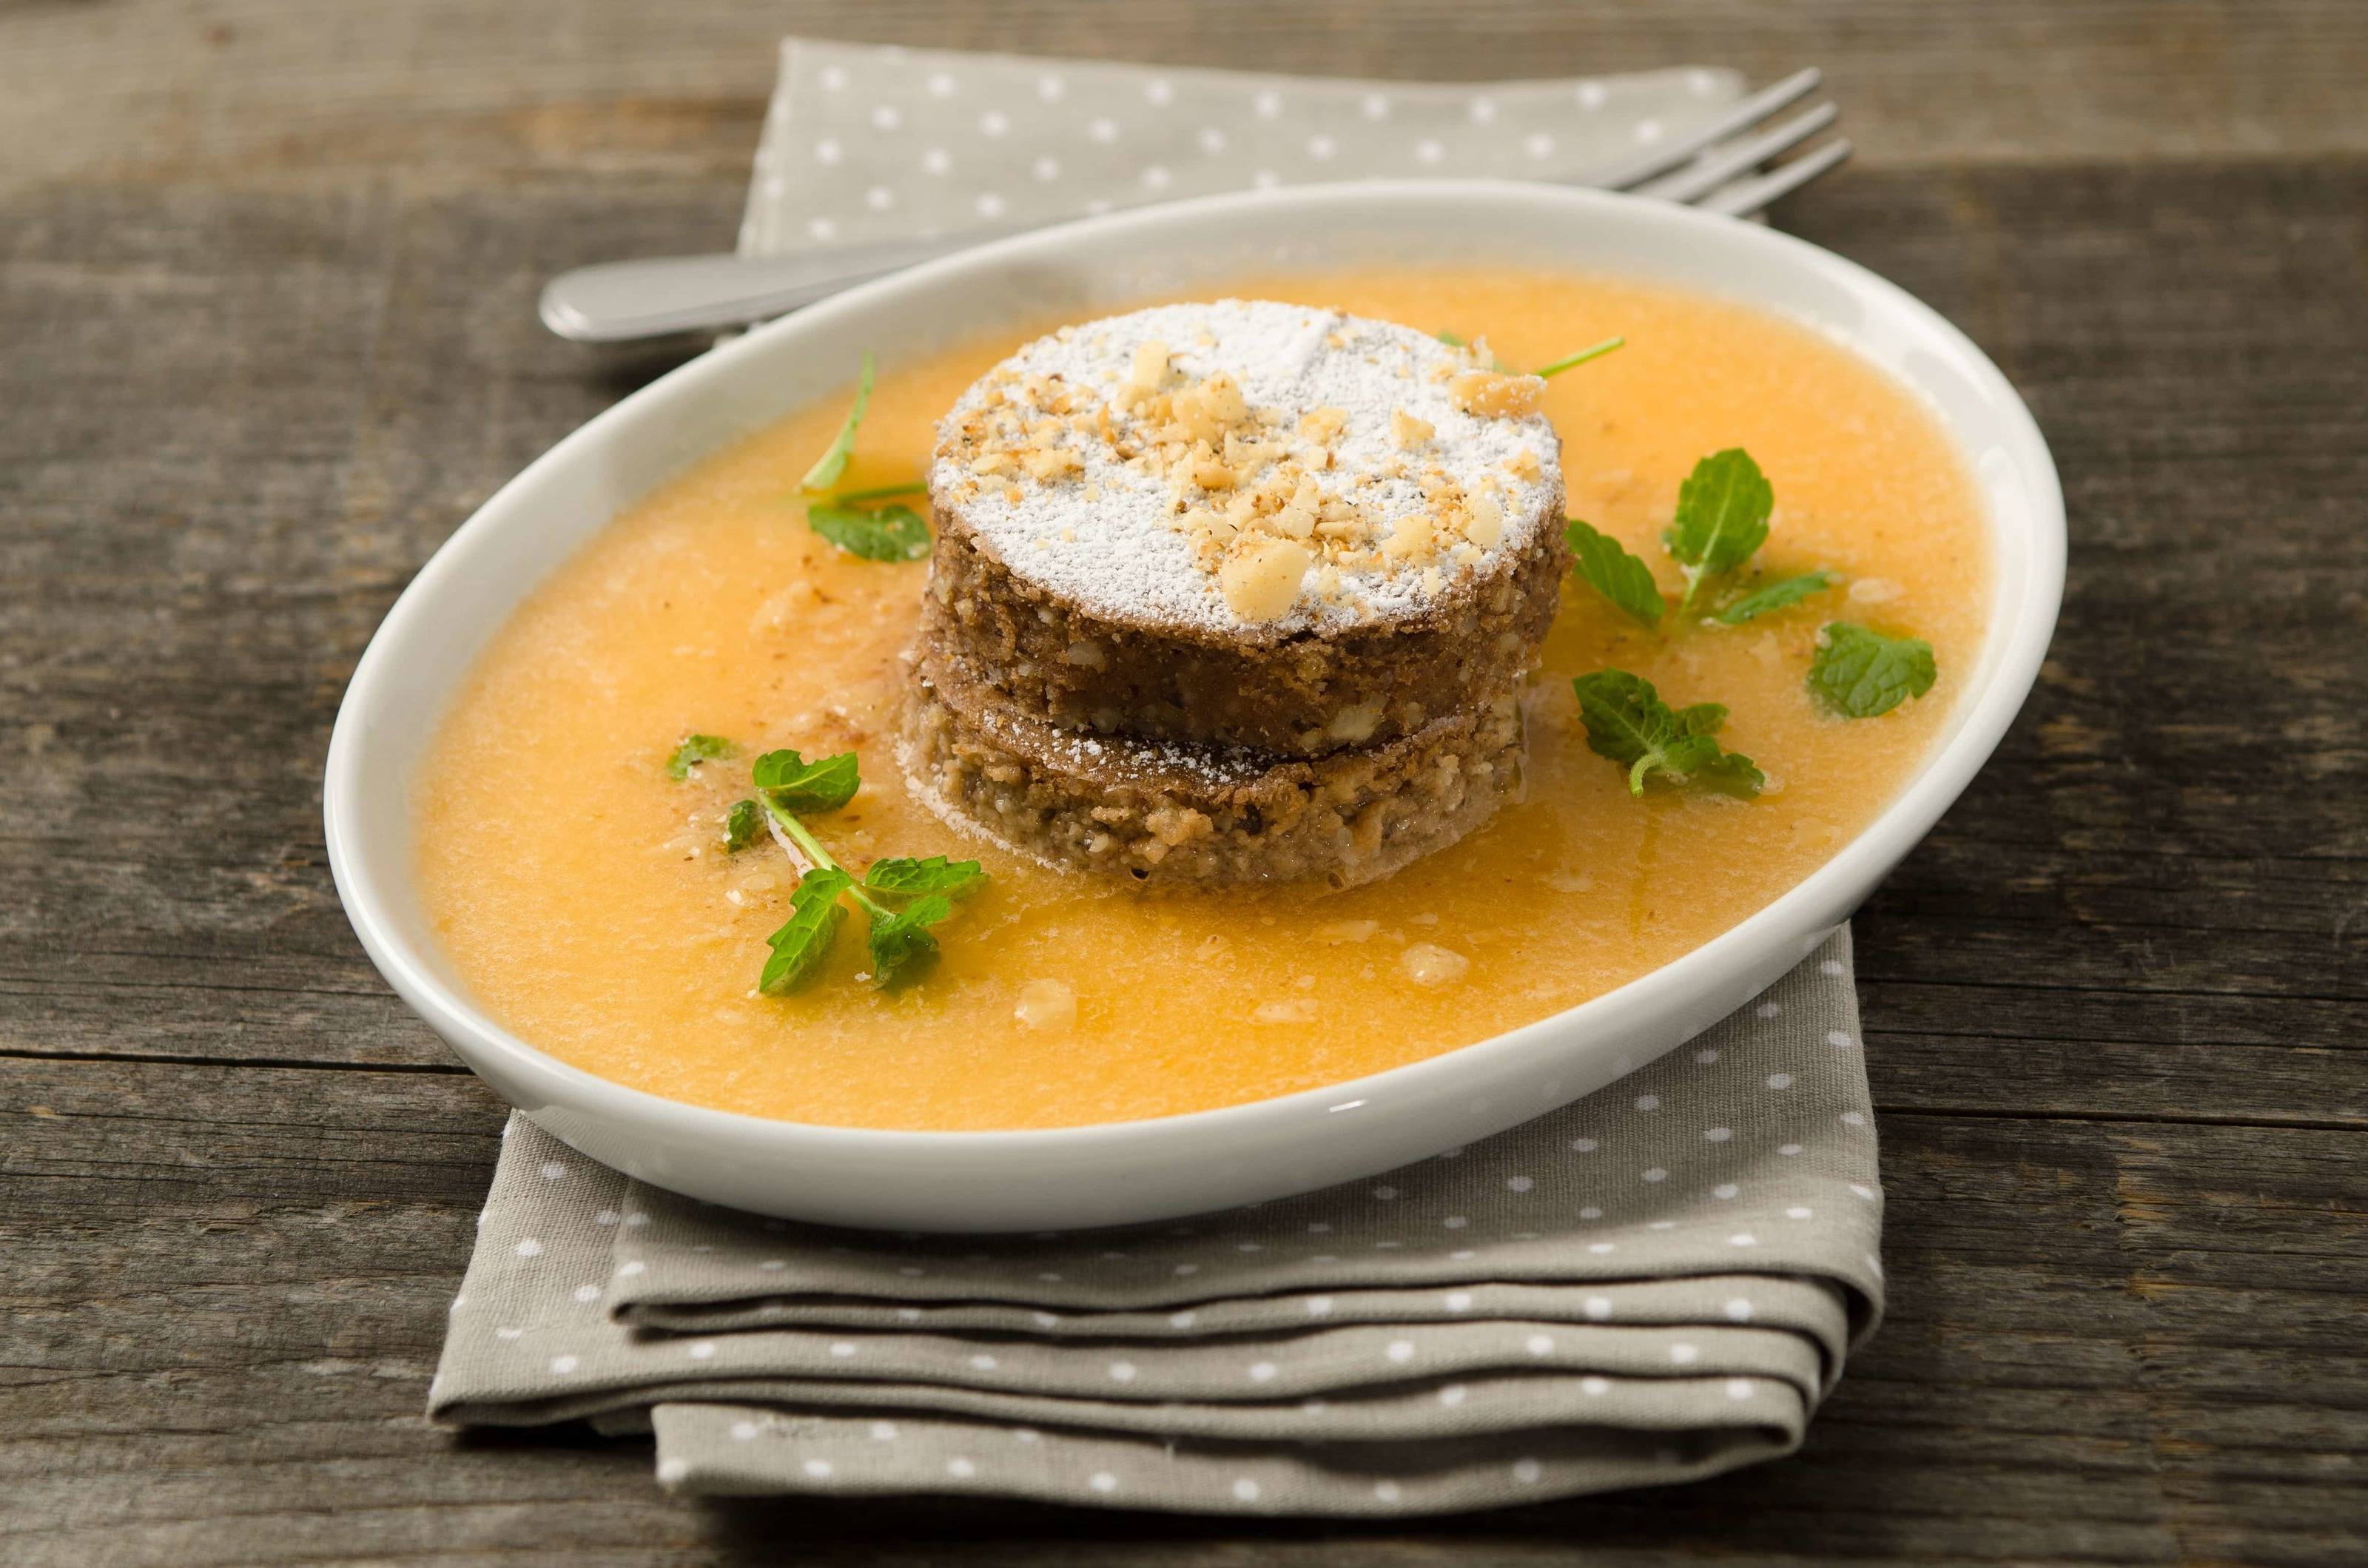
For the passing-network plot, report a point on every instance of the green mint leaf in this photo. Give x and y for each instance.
(1606, 567)
(1571, 362)
(1453, 341)
(833, 463)
(800, 946)
(1859, 674)
(796, 785)
(1625, 718)
(903, 877)
(891, 533)
(691, 751)
(743, 825)
(1721, 517)
(1729, 773)
(1628, 722)
(1687, 753)
(902, 946)
(1702, 719)
(1699, 760)
(1775, 596)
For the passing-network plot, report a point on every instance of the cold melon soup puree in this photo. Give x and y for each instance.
(1214, 700)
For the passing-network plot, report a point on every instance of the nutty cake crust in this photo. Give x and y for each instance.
(1167, 813)
(1300, 693)
(1245, 523)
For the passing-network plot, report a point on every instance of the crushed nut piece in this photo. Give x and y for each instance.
(1492, 396)
(1262, 583)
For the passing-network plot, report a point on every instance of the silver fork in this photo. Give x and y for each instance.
(1724, 166)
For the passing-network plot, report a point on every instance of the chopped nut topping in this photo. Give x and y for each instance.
(1492, 396)
(1047, 463)
(1262, 583)
(1143, 376)
(1411, 540)
(1323, 426)
(1484, 519)
(1269, 502)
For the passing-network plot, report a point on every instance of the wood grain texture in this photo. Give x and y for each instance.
(456, 93)
(239, 1274)
(265, 278)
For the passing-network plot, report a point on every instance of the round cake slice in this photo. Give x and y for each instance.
(1182, 813)
(1247, 524)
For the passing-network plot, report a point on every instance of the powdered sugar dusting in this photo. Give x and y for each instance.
(1105, 533)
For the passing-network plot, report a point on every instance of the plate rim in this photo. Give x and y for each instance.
(1940, 779)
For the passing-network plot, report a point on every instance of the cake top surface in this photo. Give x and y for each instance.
(1245, 466)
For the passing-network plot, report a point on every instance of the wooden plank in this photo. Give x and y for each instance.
(2193, 890)
(227, 1288)
(456, 94)
(267, 272)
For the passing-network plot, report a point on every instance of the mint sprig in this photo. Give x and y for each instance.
(891, 533)
(794, 784)
(1860, 673)
(1567, 362)
(902, 946)
(693, 750)
(1628, 722)
(900, 941)
(742, 824)
(801, 945)
(1572, 361)
(833, 461)
(1774, 597)
(1723, 510)
(1721, 522)
(852, 519)
(908, 878)
(1605, 565)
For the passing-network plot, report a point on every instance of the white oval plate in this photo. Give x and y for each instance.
(1124, 1172)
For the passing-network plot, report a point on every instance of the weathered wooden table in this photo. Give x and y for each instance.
(266, 335)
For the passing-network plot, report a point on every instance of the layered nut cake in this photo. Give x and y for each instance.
(1233, 592)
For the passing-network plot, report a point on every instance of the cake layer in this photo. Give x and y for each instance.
(1181, 814)
(1302, 696)
(1247, 523)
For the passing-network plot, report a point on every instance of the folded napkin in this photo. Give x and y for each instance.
(1656, 1283)
(863, 143)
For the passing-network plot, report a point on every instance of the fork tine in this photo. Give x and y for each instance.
(1746, 197)
(1743, 116)
(1720, 165)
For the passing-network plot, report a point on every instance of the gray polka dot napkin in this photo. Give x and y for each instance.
(1656, 1283)
(865, 144)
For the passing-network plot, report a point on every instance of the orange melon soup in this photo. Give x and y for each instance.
(589, 900)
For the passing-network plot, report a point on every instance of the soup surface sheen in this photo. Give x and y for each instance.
(584, 897)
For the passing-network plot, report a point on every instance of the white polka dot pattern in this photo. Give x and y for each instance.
(859, 142)
(1688, 1251)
